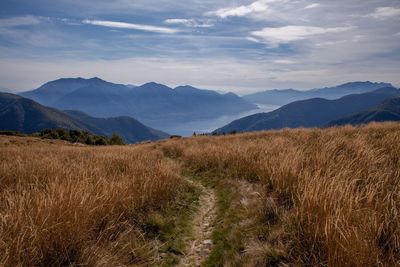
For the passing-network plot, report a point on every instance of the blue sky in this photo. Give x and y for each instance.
(239, 46)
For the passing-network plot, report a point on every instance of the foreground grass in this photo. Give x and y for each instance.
(74, 205)
(305, 197)
(320, 197)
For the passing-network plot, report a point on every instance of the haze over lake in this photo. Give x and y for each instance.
(207, 126)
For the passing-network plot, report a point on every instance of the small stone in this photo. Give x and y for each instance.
(208, 242)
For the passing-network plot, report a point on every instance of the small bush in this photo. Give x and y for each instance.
(76, 136)
(11, 133)
(115, 140)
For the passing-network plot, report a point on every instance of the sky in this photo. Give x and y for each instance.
(238, 45)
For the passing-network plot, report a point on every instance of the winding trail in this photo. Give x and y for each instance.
(200, 243)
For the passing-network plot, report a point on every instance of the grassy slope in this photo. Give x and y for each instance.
(63, 204)
(318, 197)
(298, 197)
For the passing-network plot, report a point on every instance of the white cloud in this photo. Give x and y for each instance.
(312, 6)
(19, 21)
(191, 23)
(330, 43)
(292, 33)
(240, 11)
(124, 25)
(252, 39)
(385, 12)
(284, 61)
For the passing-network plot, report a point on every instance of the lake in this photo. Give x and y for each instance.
(209, 125)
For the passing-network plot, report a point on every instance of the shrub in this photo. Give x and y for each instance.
(76, 136)
(115, 140)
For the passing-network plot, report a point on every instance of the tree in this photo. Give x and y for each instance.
(116, 140)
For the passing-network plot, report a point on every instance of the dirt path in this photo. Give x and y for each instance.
(200, 244)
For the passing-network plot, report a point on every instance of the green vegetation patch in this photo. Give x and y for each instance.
(76, 136)
(173, 225)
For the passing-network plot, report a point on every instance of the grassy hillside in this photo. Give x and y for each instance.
(27, 116)
(304, 197)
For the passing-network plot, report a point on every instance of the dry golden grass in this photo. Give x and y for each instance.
(328, 197)
(69, 205)
(305, 197)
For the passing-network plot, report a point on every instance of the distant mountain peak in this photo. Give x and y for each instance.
(230, 94)
(364, 83)
(154, 84)
(96, 79)
(283, 97)
(186, 87)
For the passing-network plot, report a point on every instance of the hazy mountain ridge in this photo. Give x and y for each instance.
(128, 128)
(315, 112)
(5, 90)
(154, 104)
(389, 110)
(286, 96)
(25, 115)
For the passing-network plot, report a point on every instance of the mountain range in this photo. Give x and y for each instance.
(27, 116)
(315, 112)
(104, 108)
(389, 110)
(154, 104)
(283, 97)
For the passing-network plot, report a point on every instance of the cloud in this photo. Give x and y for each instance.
(312, 6)
(19, 21)
(252, 39)
(240, 11)
(11, 30)
(293, 33)
(191, 23)
(284, 61)
(132, 26)
(385, 12)
(343, 55)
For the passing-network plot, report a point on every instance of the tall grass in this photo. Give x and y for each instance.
(65, 205)
(329, 197)
(305, 197)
